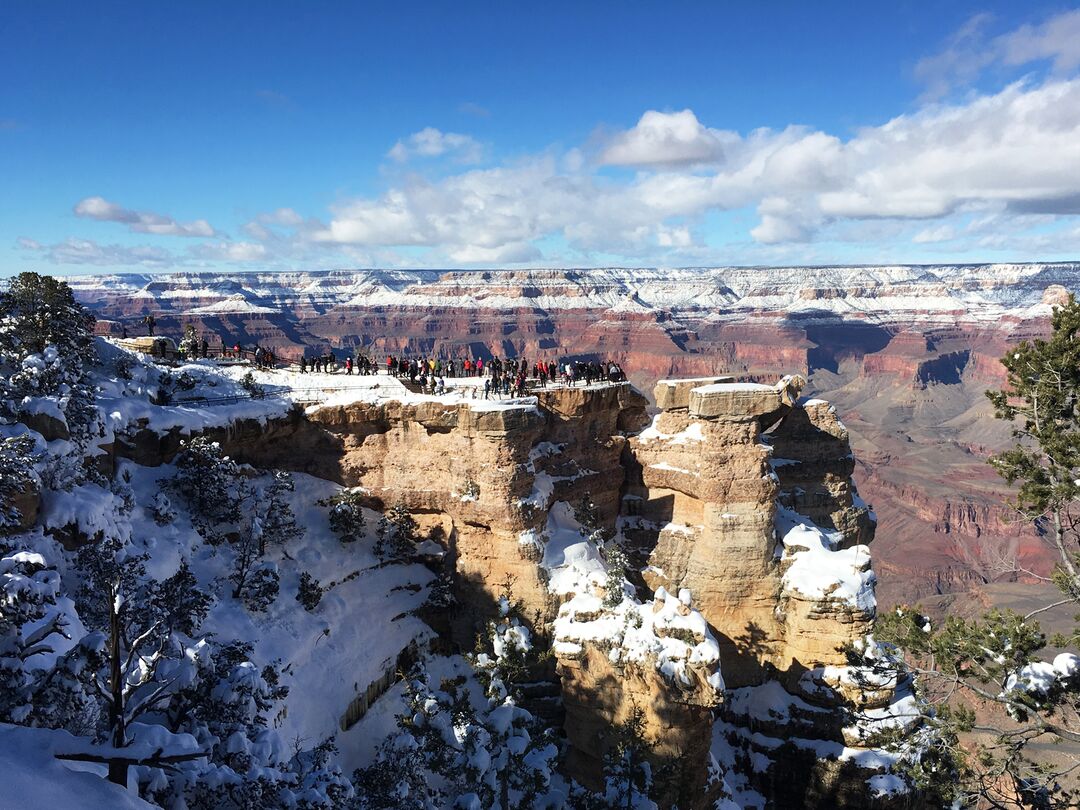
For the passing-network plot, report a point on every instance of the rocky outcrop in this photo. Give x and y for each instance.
(746, 491)
(738, 498)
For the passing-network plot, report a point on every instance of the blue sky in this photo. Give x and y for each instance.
(139, 137)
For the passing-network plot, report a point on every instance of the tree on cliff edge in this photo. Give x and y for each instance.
(995, 712)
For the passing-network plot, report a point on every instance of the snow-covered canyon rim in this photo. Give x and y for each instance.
(981, 292)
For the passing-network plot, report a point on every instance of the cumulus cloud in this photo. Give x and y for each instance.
(1017, 150)
(991, 171)
(667, 139)
(970, 51)
(140, 221)
(430, 142)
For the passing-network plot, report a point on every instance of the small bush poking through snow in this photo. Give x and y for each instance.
(17, 472)
(255, 391)
(164, 514)
(616, 574)
(346, 515)
(310, 591)
(397, 534)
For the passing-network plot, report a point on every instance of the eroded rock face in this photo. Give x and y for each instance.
(740, 495)
(493, 471)
(599, 695)
(747, 492)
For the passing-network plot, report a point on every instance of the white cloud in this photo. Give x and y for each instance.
(667, 139)
(87, 251)
(230, 251)
(678, 236)
(281, 216)
(970, 51)
(430, 142)
(140, 221)
(1018, 149)
(942, 233)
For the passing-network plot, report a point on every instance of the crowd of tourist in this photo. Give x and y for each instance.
(502, 376)
(506, 376)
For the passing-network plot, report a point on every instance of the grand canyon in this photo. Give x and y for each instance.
(904, 352)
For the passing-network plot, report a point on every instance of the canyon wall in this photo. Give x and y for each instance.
(905, 352)
(749, 576)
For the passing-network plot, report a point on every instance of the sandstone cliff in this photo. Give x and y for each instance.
(750, 569)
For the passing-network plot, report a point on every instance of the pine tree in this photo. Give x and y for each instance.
(29, 626)
(46, 336)
(310, 591)
(346, 515)
(17, 474)
(1041, 400)
(397, 534)
(210, 483)
(46, 347)
(588, 517)
(277, 519)
(626, 766)
(254, 580)
(136, 620)
(969, 673)
(617, 565)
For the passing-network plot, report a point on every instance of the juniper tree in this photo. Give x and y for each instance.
(985, 675)
(397, 534)
(346, 515)
(626, 766)
(30, 625)
(309, 592)
(17, 458)
(277, 520)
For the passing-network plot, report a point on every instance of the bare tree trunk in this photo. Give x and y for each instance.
(1059, 541)
(118, 771)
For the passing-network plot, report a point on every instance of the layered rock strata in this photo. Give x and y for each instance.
(738, 495)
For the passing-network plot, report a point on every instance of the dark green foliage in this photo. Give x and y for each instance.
(1041, 400)
(277, 522)
(40, 311)
(310, 591)
(210, 483)
(586, 514)
(617, 565)
(29, 627)
(626, 766)
(397, 534)
(346, 515)
(254, 390)
(991, 675)
(17, 457)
